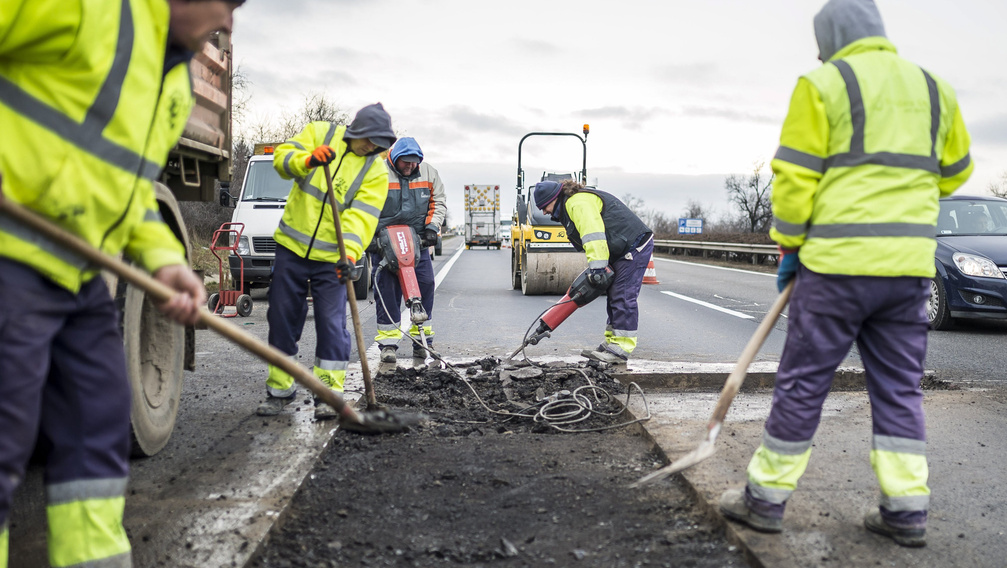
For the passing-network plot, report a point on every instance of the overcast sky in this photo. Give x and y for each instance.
(678, 94)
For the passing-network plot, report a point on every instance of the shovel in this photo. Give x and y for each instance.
(361, 422)
(372, 401)
(706, 448)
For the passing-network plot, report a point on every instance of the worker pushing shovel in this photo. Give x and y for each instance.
(870, 143)
(320, 237)
(362, 422)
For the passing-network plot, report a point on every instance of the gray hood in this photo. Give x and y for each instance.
(842, 22)
(372, 122)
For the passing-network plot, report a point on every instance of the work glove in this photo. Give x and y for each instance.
(787, 267)
(320, 156)
(600, 278)
(347, 270)
(429, 237)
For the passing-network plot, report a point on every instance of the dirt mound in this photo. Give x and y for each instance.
(489, 478)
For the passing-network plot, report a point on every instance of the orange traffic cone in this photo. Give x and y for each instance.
(650, 276)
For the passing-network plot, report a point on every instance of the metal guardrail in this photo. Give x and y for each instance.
(756, 254)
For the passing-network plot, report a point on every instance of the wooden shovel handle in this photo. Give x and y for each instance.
(162, 293)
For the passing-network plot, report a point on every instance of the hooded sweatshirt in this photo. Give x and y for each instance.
(842, 22)
(417, 200)
(372, 122)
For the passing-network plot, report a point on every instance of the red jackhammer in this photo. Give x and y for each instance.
(581, 293)
(400, 248)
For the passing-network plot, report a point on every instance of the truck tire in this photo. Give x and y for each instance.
(155, 354)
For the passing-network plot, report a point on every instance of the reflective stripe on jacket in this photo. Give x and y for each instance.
(599, 224)
(418, 201)
(88, 115)
(360, 184)
(869, 144)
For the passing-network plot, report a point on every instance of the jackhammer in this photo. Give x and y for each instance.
(400, 251)
(584, 290)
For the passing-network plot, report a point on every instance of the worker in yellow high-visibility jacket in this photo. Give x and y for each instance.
(93, 95)
(307, 250)
(870, 143)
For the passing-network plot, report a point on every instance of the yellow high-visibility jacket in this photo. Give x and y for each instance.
(359, 182)
(87, 116)
(869, 144)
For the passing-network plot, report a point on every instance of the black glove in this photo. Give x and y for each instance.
(600, 278)
(429, 237)
(347, 270)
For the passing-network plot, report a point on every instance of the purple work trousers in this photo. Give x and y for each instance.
(63, 381)
(288, 306)
(887, 318)
(623, 313)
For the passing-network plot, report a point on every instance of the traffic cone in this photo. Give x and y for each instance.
(650, 276)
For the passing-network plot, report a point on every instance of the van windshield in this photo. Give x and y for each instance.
(262, 183)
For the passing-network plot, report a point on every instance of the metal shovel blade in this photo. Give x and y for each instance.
(382, 422)
(705, 449)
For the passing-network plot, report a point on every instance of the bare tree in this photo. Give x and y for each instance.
(694, 210)
(751, 195)
(999, 188)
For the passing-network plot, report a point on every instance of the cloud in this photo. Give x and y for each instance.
(699, 73)
(632, 118)
(732, 114)
(536, 47)
(991, 130)
(470, 120)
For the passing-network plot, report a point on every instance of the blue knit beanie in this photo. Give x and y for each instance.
(545, 193)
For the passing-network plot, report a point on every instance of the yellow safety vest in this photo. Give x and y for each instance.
(88, 116)
(360, 184)
(869, 144)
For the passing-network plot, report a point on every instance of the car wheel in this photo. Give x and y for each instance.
(938, 313)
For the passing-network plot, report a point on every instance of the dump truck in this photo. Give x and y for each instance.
(157, 350)
(482, 216)
(543, 261)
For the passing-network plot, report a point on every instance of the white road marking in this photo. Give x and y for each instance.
(771, 275)
(708, 305)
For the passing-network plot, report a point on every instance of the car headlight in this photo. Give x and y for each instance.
(974, 265)
(243, 246)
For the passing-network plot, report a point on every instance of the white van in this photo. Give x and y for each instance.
(259, 206)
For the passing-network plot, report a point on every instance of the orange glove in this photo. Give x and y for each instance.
(321, 155)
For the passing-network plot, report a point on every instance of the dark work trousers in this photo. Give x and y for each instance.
(887, 319)
(623, 313)
(288, 306)
(63, 379)
(388, 292)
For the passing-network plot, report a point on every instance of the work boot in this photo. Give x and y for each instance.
(733, 506)
(323, 411)
(388, 354)
(273, 405)
(603, 355)
(903, 537)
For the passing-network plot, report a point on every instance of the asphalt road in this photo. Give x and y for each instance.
(216, 488)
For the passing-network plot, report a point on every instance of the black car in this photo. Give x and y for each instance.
(971, 259)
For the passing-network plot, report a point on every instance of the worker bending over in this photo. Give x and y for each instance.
(307, 249)
(618, 247)
(871, 141)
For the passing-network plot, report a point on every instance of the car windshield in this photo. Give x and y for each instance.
(973, 217)
(262, 183)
